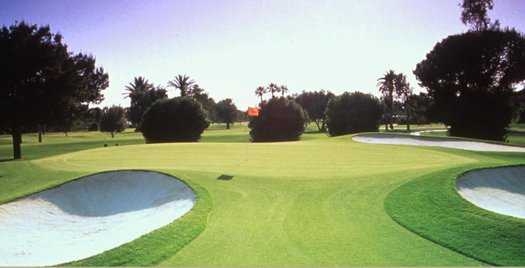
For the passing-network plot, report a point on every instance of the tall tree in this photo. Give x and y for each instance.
(142, 95)
(402, 92)
(273, 89)
(259, 92)
(386, 85)
(182, 83)
(226, 112)
(315, 103)
(475, 14)
(40, 79)
(471, 78)
(283, 89)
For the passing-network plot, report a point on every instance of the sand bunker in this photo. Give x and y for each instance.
(436, 142)
(420, 133)
(89, 216)
(501, 190)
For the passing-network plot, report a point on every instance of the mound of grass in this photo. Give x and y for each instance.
(431, 207)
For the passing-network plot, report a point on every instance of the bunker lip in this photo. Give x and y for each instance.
(88, 216)
(500, 189)
(453, 143)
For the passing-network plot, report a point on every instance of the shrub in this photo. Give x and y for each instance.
(179, 119)
(279, 120)
(113, 120)
(353, 112)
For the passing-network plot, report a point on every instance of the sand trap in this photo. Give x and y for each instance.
(419, 133)
(89, 216)
(501, 190)
(436, 142)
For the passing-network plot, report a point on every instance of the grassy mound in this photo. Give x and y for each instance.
(431, 207)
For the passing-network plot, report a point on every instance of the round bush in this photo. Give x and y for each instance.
(353, 112)
(279, 120)
(174, 120)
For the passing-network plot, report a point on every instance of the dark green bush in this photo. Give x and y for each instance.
(179, 119)
(352, 113)
(279, 119)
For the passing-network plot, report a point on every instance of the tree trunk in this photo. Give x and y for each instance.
(227, 125)
(408, 121)
(112, 134)
(39, 133)
(17, 141)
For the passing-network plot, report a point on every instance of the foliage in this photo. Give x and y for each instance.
(113, 120)
(226, 112)
(471, 77)
(314, 103)
(352, 113)
(40, 80)
(273, 89)
(183, 83)
(179, 119)
(394, 87)
(207, 102)
(475, 13)
(279, 120)
(142, 95)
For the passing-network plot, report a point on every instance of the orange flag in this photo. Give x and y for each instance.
(253, 111)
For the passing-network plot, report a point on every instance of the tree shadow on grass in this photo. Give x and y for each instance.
(6, 159)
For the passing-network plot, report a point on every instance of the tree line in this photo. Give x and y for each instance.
(471, 79)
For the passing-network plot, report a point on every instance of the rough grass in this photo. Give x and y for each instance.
(315, 202)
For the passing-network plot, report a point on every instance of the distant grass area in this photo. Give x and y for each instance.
(315, 202)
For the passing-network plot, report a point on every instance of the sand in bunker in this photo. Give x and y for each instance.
(88, 216)
(501, 190)
(436, 142)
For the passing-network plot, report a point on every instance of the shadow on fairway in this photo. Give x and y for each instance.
(225, 177)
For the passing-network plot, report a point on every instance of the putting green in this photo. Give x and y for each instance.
(314, 202)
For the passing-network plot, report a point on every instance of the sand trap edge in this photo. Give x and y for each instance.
(462, 174)
(200, 197)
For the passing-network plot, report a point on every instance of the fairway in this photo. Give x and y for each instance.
(319, 201)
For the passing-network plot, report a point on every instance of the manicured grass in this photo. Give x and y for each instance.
(319, 201)
(431, 207)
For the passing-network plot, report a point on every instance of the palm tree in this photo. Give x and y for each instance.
(283, 89)
(273, 88)
(386, 86)
(182, 83)
(403, 91)
(137, 87)
(260, 91)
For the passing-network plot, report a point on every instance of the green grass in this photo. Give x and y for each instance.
(316, 202)
(431, 207)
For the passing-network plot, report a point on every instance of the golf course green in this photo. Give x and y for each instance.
(321, 201)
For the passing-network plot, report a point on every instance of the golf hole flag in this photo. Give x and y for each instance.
(253, 111)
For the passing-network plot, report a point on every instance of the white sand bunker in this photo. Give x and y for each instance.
(89, 216)
(436, 142)
(501, 190)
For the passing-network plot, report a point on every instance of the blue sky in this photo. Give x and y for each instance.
(231, 47)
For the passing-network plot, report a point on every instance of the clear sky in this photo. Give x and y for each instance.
(231, 47)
